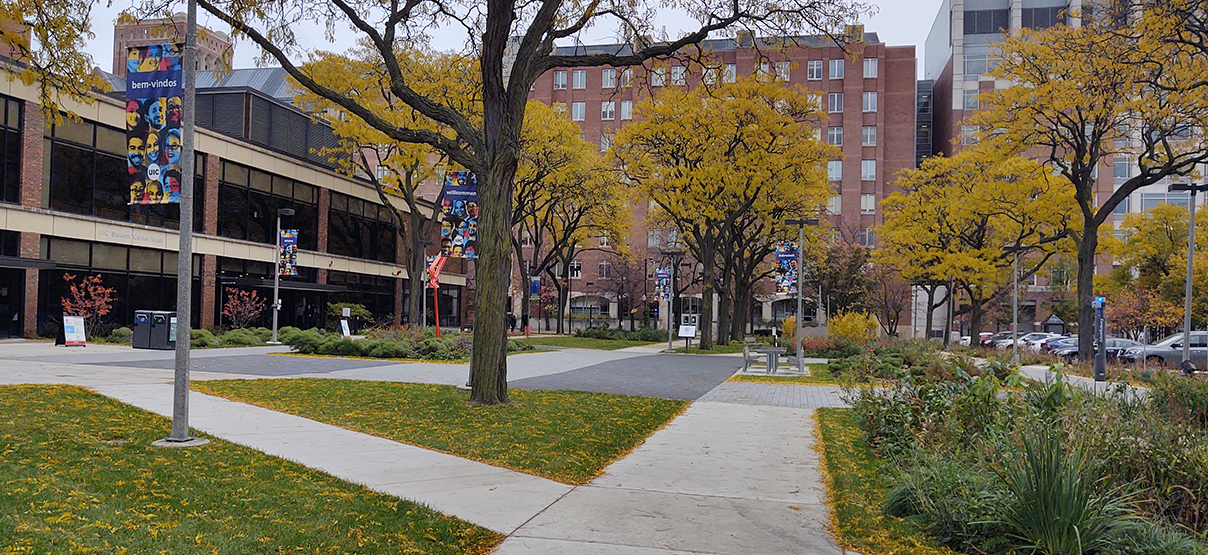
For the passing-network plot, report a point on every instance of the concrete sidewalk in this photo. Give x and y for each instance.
(720, 479)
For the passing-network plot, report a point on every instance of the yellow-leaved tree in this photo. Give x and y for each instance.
(1086, 97)
(962, 220)
(565, 194)
(711, 157)
(396, 168)
(48, 38)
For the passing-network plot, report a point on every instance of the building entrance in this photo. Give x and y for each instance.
(12, 285)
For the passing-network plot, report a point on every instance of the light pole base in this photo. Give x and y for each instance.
(190, 442)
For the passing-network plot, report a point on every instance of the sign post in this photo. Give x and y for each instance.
(1100, 340)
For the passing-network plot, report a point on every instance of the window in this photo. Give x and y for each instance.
(580, 77)
(968, 135)
(868, 170)
(626, 77)
(985, 22)
(560, 80)
(834, 136)
(578, 111)
(678, 75)
(1042, 18)
(867, 237)
(836, 69)
(710, 76)
(605, 141)
(868, 136)
(605, 270)
(605, 241)
(870, 102)
(975, 64)
(10, 150)
(248, 200)
(658, 76)
(834, 205)
(971, 100)
(526, 240)
(730, 73)
(868, 204)
(560, 107)
(358, 228)
(1122, 208)
(576, 270)
(834, 170)
(870, 68)
(608, 110)
(834, 102)
(608, 78)
(626, 109)
(1122, 169)
(763, 68)
(813, 69)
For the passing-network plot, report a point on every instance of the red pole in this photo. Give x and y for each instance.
(436, 311)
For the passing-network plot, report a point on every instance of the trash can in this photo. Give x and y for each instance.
(142, 329)
(163, 333)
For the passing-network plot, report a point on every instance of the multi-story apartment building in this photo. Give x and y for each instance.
(64, 209)
(867, 90)
(214, 48)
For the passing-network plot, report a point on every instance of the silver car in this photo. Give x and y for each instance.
(1169, 351)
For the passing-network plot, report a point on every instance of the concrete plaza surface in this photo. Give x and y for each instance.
(736, 473)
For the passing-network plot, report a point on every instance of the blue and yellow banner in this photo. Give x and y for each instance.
(459, 230)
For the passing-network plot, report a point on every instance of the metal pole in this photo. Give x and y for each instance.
(276, 281)
(671, 304)
(423, 303)
(1187, 289)
(1014, 310)
(184, 258)
(800, 290)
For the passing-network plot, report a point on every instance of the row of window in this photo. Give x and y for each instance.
(249, 201)
(868, 170)
(868, 135)
(868, 102)
(610, 78)
(868, 204)
(608, 108)
(10, 150)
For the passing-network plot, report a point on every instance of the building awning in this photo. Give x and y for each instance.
(287, 285)
(1054, 320)
(25, 263)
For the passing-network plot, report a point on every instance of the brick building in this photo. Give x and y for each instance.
(63, 210)
(868, 93)
(214, 48)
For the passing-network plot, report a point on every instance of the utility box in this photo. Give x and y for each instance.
(153, 329)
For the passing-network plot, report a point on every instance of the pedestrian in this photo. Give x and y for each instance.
(511, 323)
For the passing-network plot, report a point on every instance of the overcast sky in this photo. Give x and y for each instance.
(898, 22)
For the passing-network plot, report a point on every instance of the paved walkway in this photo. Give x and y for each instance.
(737, 473)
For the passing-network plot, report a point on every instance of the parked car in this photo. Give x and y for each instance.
(1032, 340)
(1115, 349)
(1053, 343)
(989, 341)
(1169, 351)
(1008, 340)
(967, 340)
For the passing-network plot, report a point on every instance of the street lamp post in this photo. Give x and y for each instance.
(674, 258)
(800, 265)
(1187, 366)
(287, 212)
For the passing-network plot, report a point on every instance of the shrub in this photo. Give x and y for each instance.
(286, 332)
(955, 502)
(241, 337)
(342, 346)
(122, 335)
(646, 334)
(857, 327)
(1181, 400)
(597, 332)
(305, 342)
(199, 339)
(386, 348)
(829, 347)
(264, 334)
(517, 345)
(788, 329)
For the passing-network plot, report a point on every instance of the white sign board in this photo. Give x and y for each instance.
(346, 312)
(687, 331)
(73, 330)
(344, 328)
(172, 330)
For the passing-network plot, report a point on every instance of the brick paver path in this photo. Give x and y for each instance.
(776, 395)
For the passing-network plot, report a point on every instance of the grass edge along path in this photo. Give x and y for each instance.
(819, 375)
(78, 474)
(566, 436)
(575, 342)
(856, 486)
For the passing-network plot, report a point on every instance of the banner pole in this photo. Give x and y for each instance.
(184, 259)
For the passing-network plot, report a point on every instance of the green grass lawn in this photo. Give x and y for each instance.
(856, 488)
(819, 375)
(567, 436)
(584, 342)
(733, 347)
(78, 475)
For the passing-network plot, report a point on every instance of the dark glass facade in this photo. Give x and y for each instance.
(361, 229)
(10, 150)
(248, 201)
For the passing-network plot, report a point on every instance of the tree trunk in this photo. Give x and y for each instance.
(738, 328)
(724, 303)
(1086, 289)
(502, 118)
(417, 273)
(930, 311)
(975, 316)
(707, 291)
